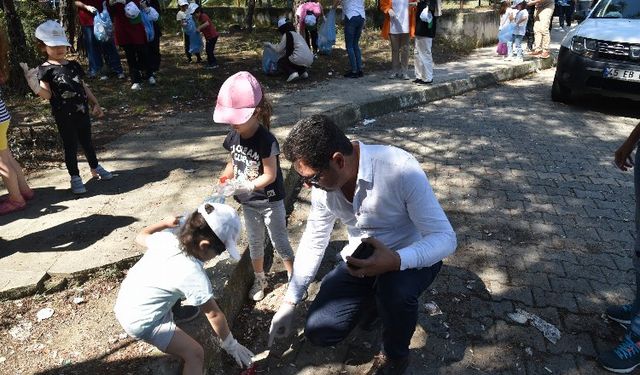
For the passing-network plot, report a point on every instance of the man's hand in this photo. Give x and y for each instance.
(96, 110)
(281, 322)
(623, 157)
(32, 78)
(91, 9)
(391, 13)
(382, 261)
(241, 354)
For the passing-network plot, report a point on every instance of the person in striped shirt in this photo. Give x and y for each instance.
(12, 176)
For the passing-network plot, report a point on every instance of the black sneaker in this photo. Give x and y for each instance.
(621, 314)
(184, 314)
(351, 75)
(360, 74)
(624, 358)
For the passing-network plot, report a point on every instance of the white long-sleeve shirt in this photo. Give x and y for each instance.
(393, 202)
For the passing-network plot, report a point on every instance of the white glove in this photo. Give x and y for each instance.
(32, 78)
(241, 354)
(91, 9)
(243, 187)
(281, 322)
(391, 13)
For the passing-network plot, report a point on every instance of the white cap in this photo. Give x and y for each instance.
(281, 21)
(131, 10)
(192, 7)
(183, 2)
(516, 3)
(225, 223)
(52, 34)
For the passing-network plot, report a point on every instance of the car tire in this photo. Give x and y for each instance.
(559, 92)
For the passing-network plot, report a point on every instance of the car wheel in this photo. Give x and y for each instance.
(559, 92)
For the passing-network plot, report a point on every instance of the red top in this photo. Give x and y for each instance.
(86, 18)
(125, 32)
(210, 31)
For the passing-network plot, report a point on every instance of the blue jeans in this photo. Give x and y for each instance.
(352, 31)
(515, 44)
(342, 300)
(96, 50)
(636, 247)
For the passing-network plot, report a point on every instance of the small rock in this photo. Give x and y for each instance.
(2, 360)
(78, 300)
(45, 313)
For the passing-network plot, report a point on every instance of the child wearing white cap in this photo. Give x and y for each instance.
(295, 55)
(60, 81)
(519, 19)
(173, 268)
(255, 165)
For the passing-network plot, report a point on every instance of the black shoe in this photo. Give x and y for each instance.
(360, 73)
(184, 314)
(425, 82)
(418, 81)
(351, 75)
(383, 365)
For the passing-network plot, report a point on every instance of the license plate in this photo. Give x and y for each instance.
(621, 74)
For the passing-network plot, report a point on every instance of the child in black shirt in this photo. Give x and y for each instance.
(60, 81)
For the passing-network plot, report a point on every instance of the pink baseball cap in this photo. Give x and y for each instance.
(237, 99)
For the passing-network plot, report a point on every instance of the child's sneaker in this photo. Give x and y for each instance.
(102, 173)
(621, 314)
(152, 80)
(624, 358)
(257, 290)
(136, 87)
(77, 187)
(305, 75)
(121, 76)
(293, 76)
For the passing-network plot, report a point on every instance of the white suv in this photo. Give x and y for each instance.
(602, 54)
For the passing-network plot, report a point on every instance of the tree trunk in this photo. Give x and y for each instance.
(17, 52)
(67, 12)
(251, 7)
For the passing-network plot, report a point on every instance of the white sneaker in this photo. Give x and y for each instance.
(257, 290)
(121, 76)
(104, 78)
(293, 76)
(136, 87)
(152, 80)
(305, 75)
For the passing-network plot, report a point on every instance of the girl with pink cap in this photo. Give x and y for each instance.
(255, 165)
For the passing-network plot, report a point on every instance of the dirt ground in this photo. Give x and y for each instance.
(34, 139)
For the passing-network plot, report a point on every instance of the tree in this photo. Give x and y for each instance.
(67, 14)
(251, 7)
(18, 51)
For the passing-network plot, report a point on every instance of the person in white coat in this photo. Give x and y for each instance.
(295, 55)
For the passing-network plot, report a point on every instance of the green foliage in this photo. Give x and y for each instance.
(31, 15)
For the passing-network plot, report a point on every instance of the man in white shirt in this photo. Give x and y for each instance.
(384, 198)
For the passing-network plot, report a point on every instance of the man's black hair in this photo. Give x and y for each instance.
(314, 140)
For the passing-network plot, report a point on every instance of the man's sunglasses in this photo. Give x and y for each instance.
(312, 180)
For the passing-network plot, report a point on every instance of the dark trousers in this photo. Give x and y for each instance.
(288, 67)
(565, 14)
(311, 37)
(210, 46)
(138, 61)
(74, 129)
(154, 54)
(342, 300)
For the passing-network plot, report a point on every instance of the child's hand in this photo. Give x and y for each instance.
(96, 110)
(171, 221)
(32, 78)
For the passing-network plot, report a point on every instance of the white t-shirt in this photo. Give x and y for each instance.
(160, 278)
(520, 29)
(400, 23)
(352, 8)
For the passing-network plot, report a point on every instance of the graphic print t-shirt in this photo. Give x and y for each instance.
(247, 155)
(68, 96)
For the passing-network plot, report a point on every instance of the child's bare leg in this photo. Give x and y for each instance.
(10, 176)
(185, 347)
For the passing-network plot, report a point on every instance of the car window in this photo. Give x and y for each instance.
(617, 9)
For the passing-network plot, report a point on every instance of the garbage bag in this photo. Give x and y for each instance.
(102, 25)
(506, 33)
(327, 33)
(269, 61)
(195, 41)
